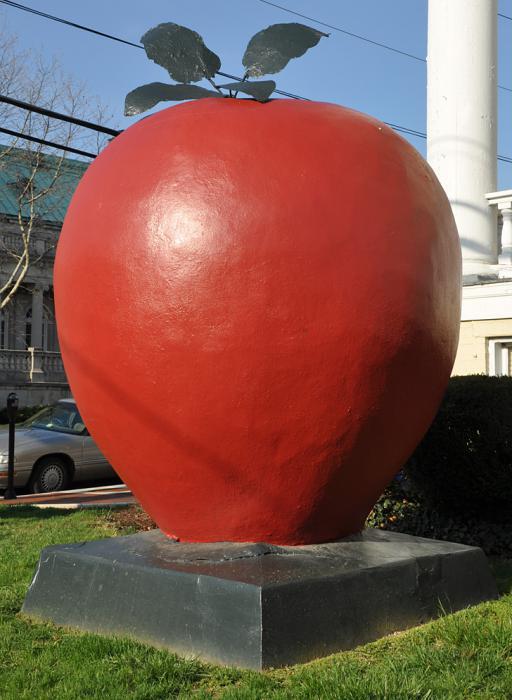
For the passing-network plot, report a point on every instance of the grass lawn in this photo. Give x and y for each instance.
(466, 655)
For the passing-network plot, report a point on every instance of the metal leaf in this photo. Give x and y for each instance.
(147, 96)
(270, 50)
(259, 89)
(181, 51)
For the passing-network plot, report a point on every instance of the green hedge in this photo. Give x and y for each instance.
(23, 414)
(399, 512)
(464, 463)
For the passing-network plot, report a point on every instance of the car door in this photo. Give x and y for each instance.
(94, 464)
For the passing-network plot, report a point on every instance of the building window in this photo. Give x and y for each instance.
(28, 329)
(4, 330)
(500, 356)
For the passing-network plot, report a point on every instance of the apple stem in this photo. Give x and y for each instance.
(213, 84)
(246, 75)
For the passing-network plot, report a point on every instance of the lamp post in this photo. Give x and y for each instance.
(12, 410)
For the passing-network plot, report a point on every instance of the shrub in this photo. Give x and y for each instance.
(464, 463)
(398, 512)
(23, 414)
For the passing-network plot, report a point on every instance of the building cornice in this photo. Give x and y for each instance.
(487, 301)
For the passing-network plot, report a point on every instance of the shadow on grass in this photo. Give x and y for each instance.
(502, 570)
(13, 512)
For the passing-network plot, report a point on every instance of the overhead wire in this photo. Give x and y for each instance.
(45, 142)
(58, 115)
(61, 20)
(115, 132)
(397, 127)
(54, 18)
(343, 31)
(91, 30)
(358, 36)
(96, 127)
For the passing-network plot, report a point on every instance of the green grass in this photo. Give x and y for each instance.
(461, 656)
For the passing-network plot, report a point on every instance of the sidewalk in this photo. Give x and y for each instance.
(111, 496)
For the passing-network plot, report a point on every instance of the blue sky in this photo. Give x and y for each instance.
(340, 69)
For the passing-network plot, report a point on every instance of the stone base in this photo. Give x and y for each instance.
(256, 605)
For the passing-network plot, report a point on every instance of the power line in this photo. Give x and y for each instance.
(358, 36)
(91, 30)
(44, 142)
(113, 132)
(344, 31)
(57, 115)
(104, 129)
(279, 92)
(33, 11)
(406, 130)
(423, 135)
(28, 137)
(500, 14)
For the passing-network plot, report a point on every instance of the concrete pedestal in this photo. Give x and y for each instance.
(256, 605)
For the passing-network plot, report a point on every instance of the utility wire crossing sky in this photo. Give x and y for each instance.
(42, 14)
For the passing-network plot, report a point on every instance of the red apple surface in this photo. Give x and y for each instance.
(258, 309)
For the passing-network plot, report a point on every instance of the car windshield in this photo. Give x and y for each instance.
(62, 417)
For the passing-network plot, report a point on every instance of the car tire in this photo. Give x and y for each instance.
(50, 474)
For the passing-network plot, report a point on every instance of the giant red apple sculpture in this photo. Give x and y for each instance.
(258, 309)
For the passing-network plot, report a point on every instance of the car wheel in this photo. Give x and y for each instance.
(50, 474)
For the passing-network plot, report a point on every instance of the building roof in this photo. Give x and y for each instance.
(15, 166)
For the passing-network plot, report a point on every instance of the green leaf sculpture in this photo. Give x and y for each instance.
(187, 59)
(181, 51)
(259, 89)
(270, 50)
(147, 96)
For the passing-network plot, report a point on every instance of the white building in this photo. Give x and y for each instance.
(462, 149)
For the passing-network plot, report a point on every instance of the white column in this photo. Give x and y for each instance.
(461, 119)
(37, 317)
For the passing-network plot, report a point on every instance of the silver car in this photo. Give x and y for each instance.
(52, 449)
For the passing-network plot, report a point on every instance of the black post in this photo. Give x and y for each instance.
(12, 410)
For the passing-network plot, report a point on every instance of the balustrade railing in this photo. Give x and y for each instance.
(14, 360)
(32, 365)
(13, 243)
(502, 200)
(52, 362)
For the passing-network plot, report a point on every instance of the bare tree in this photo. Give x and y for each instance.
(40, 177)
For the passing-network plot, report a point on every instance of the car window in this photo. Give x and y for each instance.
(62, 417)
